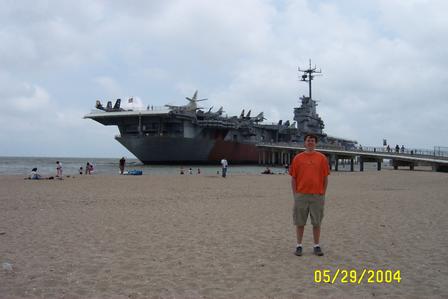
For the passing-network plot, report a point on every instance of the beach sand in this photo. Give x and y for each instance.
(209, 237)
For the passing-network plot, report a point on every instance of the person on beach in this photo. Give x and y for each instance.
(224, 165)
(267, 171)
(34, 175)
(286, 167)
(58, 169)
(309, 179)
(122, 164)
(89, 168)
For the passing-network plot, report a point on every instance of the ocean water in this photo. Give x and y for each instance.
(47, 167)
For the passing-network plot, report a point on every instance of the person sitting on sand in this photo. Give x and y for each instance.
(34, 175)
(267, 171)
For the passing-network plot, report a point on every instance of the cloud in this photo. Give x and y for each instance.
(109, 85)
(37, 100)
(383, 66)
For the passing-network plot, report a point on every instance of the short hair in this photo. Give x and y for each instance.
(310, 135)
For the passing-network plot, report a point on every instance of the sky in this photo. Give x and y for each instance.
(384, 66)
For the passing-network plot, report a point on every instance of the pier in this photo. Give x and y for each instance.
(281, 154)
(343, 151)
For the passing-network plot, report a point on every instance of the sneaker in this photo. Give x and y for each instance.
(318, 251)
(298, 251)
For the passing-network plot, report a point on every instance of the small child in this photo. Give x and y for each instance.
(58, 169)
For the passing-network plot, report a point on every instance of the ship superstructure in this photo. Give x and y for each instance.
(308, 121)
(188, 134)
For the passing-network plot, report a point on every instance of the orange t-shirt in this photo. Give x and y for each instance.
(309, 171)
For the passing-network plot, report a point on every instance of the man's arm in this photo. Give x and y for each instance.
(293, 185)
(325, 184)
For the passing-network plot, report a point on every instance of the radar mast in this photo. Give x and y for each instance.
(307, 76)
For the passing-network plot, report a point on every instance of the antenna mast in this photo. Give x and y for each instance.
(308, 76)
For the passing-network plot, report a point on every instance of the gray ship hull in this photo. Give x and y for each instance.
(176, 150)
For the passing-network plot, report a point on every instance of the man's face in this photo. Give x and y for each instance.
(310, 143)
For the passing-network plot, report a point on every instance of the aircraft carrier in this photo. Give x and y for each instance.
(189, 135)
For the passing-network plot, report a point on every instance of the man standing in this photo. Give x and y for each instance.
(122, 164)
(309, 178)
(224, 165)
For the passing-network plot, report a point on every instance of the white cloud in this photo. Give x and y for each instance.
(38, 100)
(109, 85)
(384, 65)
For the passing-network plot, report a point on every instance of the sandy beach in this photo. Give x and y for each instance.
(209, 237)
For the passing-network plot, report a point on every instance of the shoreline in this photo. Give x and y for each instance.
(47, 167)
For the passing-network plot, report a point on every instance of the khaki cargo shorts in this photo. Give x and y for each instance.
(304, 204)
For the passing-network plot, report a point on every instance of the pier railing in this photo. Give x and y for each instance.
(407, 151)
(437, 152)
